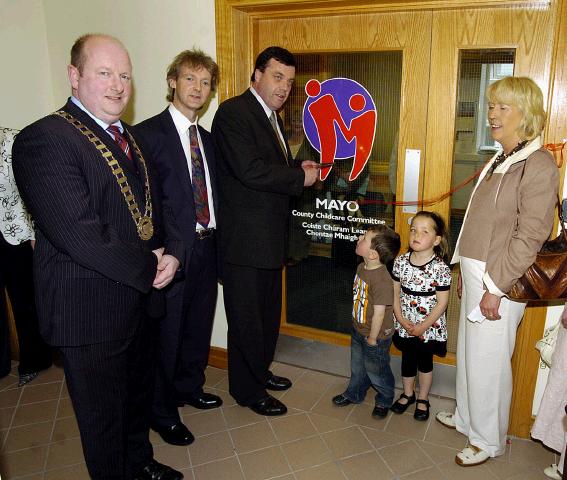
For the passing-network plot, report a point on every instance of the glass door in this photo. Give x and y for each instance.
(383, 57)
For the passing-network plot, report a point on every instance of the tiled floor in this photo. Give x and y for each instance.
(315, 440)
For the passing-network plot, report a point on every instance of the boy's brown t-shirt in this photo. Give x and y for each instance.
(372, 287)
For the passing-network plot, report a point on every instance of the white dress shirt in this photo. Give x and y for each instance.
(182, 124)
(268, 112)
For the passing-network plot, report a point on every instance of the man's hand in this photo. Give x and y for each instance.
(166, 269)
(32, 243)
(489, 305)
(158, 252)
(311, 171)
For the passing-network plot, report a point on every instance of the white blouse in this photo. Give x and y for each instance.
(16, 225)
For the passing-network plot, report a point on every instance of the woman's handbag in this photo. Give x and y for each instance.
(546, 279)
(547, 344)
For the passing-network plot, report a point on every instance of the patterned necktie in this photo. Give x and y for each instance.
(120, 140)
(198, 181)
(274, 123)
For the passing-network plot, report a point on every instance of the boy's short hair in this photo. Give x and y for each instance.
(386, 242)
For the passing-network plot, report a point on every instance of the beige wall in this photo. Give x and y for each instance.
(26, 91)
(36, 36)
(153, 32)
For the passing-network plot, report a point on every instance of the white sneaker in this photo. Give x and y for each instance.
(552, 472)
(471, 456)
(447, 419)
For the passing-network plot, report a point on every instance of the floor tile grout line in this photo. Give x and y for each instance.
(233, 446)
(53, 426)
(321, 434)
(21, 390)
(377, 450)
(282, 451)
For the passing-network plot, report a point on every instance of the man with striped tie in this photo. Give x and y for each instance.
(104, 249)
(185, 158)
(257, 177)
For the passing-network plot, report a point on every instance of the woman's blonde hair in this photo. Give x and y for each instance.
(523, 93)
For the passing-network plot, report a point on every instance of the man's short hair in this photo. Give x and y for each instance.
(277, 53)
(78, 56)
(195, 59)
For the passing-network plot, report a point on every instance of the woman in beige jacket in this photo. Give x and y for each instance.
(509, 216)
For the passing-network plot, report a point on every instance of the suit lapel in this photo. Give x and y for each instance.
(210, 159)
(177, 154)
(287, 149)
(105, 138)
(261, 116)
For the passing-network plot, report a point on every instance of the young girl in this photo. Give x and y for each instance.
(421, 292)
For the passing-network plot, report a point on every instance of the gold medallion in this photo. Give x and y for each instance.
(145, 228)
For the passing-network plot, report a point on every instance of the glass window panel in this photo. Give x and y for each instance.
(322, 259)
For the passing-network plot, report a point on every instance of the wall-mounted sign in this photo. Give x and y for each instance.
(339, 119)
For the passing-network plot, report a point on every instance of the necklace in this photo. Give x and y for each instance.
(143, 222)
(503, 156)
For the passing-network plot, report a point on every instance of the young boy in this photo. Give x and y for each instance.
(372, 318)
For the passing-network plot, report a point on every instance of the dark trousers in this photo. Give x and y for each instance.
(185, 334)
(252, 299)
(111, 385)
(5, 357)
(16, 275)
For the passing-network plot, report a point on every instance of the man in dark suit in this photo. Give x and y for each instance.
(256, 179)
(185, 159)
(103, 250)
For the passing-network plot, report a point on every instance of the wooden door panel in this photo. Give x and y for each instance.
(409, 32)
(528, 31)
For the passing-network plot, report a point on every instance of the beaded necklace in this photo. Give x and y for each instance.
(503, 156)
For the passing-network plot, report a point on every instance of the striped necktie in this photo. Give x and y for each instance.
(274, 123)
(120, 140)
(198, 180)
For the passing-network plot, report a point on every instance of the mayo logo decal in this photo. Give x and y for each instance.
(339, 119)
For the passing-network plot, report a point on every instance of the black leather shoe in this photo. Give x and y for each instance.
(421, 415)
(278, 383)
(341, 401)
(398, 407)
(269, 406)
(177, 434)
(380, 412)
(205, 402)
(157, 471)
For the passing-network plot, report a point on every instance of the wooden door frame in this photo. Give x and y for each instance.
(235, 49)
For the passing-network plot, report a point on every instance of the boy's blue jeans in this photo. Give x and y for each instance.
(370, 367)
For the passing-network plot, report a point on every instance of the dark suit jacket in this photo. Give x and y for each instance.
(161, 136)
(255, 184)
(93, 273)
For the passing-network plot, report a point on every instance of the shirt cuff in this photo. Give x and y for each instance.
(491, 286)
